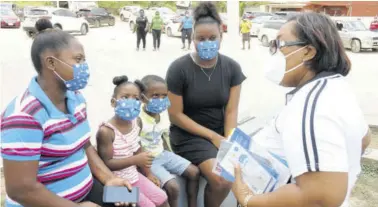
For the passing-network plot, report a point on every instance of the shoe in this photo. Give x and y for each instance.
(183, 47)
(144, 49)
(137, 49)
(243, 48)
(154, 49)
(158, 49)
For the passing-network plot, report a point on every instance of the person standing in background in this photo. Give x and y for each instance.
(186, 29)
(157, 24)
(141, 28)
(245, 29)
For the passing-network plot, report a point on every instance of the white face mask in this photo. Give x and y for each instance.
(275, 69)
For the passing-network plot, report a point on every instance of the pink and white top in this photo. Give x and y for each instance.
(124, 146)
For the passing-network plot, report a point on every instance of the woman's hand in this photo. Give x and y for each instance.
(239, 188)
(216, 139)
(115, 181)
(154, 179)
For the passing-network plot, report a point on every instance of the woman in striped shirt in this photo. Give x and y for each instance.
(48, 158)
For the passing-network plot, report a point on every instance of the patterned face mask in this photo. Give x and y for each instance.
(127, 109)
(80, 76)
(158, 105)
(208, 50)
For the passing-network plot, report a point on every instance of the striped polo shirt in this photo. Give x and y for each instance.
(33, 129)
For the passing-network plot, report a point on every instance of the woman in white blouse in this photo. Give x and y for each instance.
(321, 131)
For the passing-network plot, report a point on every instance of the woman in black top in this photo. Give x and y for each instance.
(141, 28)
(204, 88)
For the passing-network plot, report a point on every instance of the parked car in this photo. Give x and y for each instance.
(269, 31)
(97, 16)
(252, 15)
(62, 19)
(259, 21)
(9, 19)
(127, 11)
(374, 25)
(171, 29)
(356, 36)
(286, 14)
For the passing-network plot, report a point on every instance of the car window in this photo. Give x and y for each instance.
(59, 12)
(68, 13)
(5, 12)
(99, 11)
(38, 12)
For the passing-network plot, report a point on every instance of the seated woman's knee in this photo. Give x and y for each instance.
(172, 188)
(220, 183)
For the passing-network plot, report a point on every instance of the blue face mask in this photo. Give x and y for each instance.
(208, 50)
(127, 109)
(158, 105)
(80, 76)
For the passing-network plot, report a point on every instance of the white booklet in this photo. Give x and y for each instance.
(258, 178)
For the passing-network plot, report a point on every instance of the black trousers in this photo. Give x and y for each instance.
(186, 34)
(156, 34)
(141, 35)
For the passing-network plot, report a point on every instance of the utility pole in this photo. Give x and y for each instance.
(233, 24)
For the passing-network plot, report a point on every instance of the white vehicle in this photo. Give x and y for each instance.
(62, 19)
(356, 36)
(257, 23)
(269, 30)
(127, 11)
(171, 29)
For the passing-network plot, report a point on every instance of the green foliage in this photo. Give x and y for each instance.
(22, 4)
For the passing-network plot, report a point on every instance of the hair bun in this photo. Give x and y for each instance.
(118, 80)
(43, 24)
(206, 10)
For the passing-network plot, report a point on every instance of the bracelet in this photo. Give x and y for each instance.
(246, 200)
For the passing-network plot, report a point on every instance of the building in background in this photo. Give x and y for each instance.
(332, 8)
(344, 8)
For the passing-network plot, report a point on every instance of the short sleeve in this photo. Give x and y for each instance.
(316, 144)
(21, 138)
(175, 79)
(237, 76)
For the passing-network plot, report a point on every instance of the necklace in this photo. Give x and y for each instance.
(208, 76)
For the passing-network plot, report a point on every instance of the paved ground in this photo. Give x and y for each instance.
(111, 51)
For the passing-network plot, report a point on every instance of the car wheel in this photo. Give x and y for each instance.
(375, 49)
(123, 18)
(265, 41)
(131, 26)
(169, 32)
(57, 26)
(97, 24)
(356, 46)
(112, 22)
(83, 29)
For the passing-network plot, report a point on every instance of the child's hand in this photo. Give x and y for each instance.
(144, 159)
(155, 180)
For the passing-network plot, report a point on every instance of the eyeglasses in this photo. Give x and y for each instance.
(274, 45)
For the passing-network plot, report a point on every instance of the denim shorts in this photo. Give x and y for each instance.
(166, 165)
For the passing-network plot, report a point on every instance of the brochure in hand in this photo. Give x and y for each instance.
(262, 170)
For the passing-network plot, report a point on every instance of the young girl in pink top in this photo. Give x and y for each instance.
(118, 143)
